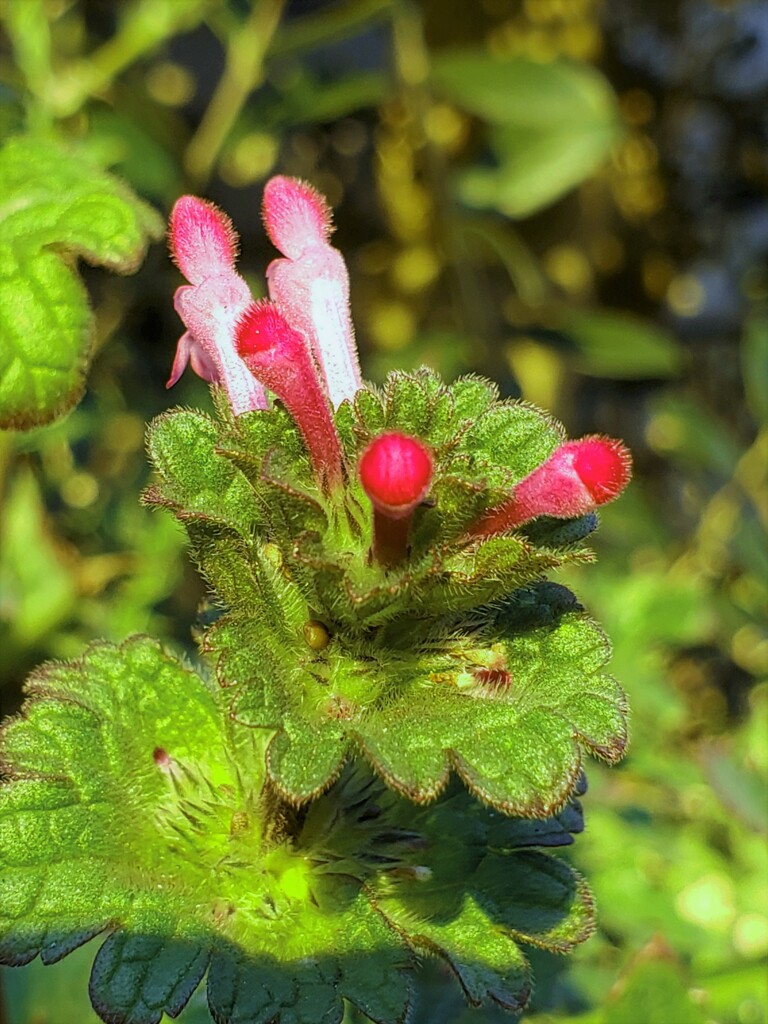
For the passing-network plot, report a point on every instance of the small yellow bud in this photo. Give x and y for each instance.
(316, 635)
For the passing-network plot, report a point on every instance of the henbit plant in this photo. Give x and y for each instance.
(286, 821)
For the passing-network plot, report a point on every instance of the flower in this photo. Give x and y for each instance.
(576, 478)
(278, 356)
(204, 245)
(300, 345)
(311, 284)
(396, 472)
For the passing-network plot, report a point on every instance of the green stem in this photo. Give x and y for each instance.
(243, 72)
(29, 32)
(521, 265)
(330, 25)
(145, 25)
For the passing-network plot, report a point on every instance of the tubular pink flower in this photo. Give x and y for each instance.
(576, 478)
(311, 284)
(395, 471)
(278, 357)
(204, 246)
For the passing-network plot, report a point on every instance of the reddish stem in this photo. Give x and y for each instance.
(390, 538)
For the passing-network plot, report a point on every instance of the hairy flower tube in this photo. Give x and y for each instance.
(204, 245)
(577, 478)
(311, 284)
(277, 355)
(396, 472)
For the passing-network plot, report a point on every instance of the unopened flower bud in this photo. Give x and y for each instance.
(575, 479)
(396, 473)
(278, 357)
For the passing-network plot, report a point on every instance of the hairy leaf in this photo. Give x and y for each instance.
(56, 207)
(134, 808)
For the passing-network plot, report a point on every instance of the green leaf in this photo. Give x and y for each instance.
(454, 658)
(754, 361)
(517, 739)
(138, 978)
(512, 436)
(621, 346)
(195, 480)
(466, 908)
(50, 994)
(653, 990)
(38, 590)
(552, 125)
(134, 808)
(306, 99)
(499, 974)
(56, 207)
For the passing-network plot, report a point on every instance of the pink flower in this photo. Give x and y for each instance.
(576, 478)
(204, 245)
(277, 355)
(396, 473)
(311, 284)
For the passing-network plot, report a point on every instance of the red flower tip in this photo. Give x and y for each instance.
(202, 240)
(576, 478)
(296, 216)
(396, 472)
(261, 329)
(602, 464)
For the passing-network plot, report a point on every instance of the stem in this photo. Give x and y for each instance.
(29, 32)
(146, 24)
(4, 1018)
(243, 72)
(390, 538)
(331, 25)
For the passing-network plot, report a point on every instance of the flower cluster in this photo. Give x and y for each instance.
(300, 346)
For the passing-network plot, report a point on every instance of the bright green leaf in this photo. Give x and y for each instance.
(135, 808)
(55, 208)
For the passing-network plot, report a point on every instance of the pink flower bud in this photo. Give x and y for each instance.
(312, 285)
(204, 245)
(396, 473)
(575, 479)
(278, 357)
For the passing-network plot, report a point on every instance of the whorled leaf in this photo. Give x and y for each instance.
(251, 473)
(512, 707)
(56, 207)
(134, 808)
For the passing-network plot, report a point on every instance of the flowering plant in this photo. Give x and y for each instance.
(383, 648)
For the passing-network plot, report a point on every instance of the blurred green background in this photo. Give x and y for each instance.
(566, 195)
